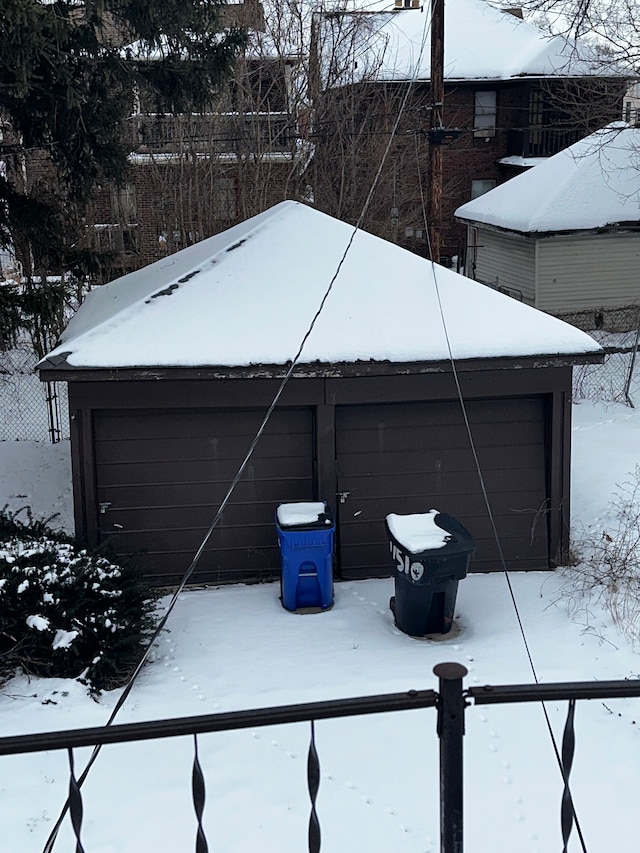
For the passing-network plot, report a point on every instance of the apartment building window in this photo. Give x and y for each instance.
(481, 186)
(485, 112)
(536, 109)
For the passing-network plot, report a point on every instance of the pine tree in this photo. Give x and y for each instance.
(69, 75)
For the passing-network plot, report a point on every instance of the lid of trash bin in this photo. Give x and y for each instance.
(303, 514)
(418, 532)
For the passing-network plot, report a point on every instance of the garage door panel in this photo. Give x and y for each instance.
(375, 469)
(206, 450)
(122, 425)
(432, 458)
(246, 502)
(183, 539)
(162, 500)
(165, 472)
(433, 487)
(429, 436)
(208, 493)
(448, 412)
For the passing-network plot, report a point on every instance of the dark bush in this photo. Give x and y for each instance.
(65, 612)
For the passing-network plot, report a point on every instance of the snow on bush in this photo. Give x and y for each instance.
(67, 612)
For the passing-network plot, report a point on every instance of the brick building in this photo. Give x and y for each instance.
(514, 95)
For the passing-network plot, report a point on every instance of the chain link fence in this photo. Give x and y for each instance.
(617, 379)
(30, 410)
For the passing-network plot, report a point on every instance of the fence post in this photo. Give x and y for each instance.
(451, 705)
(627, 384)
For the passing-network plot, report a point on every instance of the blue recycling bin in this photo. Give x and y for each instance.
(306, 535)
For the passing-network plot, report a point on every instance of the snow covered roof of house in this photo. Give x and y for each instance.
(480, 43)
(594, 183)
(247, 297)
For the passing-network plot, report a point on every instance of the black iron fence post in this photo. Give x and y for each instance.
(451, 705)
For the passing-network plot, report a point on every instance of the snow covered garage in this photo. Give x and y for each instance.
(172, 368)
(564, 235)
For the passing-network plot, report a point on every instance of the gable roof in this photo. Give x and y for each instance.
(481, 43)
(593, 184)
(247, 297)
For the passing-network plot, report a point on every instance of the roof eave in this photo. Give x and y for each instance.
(618, 227)
(67, 373)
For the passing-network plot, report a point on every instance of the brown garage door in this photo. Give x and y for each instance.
(409, 458)
(161, 476)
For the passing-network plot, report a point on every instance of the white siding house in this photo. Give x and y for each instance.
(564, 236)
(504, 261)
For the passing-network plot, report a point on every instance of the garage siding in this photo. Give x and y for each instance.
(410, 458)
(162, 475)
(506, 261)
(576, 273)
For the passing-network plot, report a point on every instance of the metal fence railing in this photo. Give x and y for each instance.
(30, 410)
(451, 700)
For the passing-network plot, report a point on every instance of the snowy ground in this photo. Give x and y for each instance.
(236, 647)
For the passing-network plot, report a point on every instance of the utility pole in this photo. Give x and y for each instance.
(436, 93)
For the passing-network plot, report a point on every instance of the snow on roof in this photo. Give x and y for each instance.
(247, 296)
(594, 183)
(480, 43)
(522, 162)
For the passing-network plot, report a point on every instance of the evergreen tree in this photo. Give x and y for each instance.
(70, 72)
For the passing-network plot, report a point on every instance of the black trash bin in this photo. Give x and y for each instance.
(431, 552)
(305, 533)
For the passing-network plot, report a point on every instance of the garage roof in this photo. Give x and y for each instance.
(594, 183)
(248, 295)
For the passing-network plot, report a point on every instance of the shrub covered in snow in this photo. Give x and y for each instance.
(65, 612)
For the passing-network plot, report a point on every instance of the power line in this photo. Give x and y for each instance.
(492, 521)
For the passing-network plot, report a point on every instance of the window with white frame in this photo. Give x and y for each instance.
(485, 111)
(481, 186)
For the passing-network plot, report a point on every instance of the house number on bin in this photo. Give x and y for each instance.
(414, 570)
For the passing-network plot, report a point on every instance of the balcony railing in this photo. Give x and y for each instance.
(212, 134)
(541, 141)
(451, 701)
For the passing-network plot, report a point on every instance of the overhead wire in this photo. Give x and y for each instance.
(50, 843)
(487, 502)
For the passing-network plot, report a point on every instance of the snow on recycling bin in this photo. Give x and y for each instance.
(431, 553)
(306, 533)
